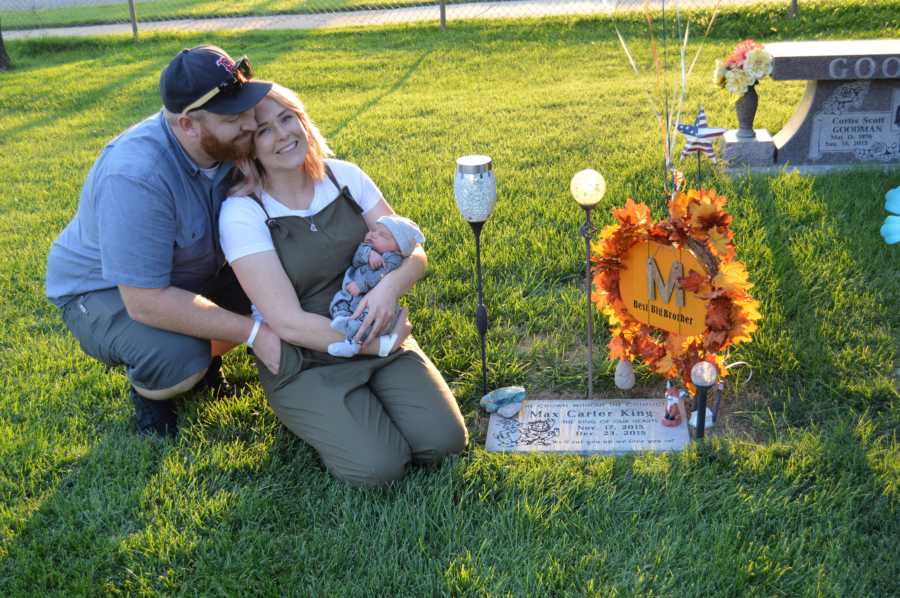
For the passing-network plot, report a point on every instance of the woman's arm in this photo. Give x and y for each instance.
(264, 280)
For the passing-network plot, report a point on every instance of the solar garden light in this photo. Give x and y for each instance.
(475, 189)
(704, 375)
(588, 187)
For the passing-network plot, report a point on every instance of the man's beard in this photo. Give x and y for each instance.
(215, 148)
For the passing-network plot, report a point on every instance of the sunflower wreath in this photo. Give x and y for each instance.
(698, 221)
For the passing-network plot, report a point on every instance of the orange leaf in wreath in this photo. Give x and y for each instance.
(633, 214)
(678, 206)
(721, 244)
(732, 279)
(705, 216)
(617, 348)
(665, 366)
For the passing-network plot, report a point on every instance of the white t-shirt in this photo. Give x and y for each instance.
(242, 223)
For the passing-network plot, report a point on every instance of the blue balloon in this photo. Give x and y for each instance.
(892, 201)
(891, 230)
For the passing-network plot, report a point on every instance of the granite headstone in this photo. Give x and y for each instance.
(850, 113)
(587, 427)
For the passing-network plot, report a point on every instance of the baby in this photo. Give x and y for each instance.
(382, 251)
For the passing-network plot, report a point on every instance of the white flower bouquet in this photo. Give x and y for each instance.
(743, 68)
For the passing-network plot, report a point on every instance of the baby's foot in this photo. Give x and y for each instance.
(386, 344)
(343, 349)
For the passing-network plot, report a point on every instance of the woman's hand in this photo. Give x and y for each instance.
(382, 305)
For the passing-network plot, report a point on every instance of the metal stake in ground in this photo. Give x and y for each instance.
(588, 187)
(475, 189)
(704, 375)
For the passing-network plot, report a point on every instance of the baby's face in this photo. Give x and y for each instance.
(381, 239)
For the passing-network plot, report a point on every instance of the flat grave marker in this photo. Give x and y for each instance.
(598, 426)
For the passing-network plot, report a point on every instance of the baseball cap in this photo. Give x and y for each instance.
(206, 77)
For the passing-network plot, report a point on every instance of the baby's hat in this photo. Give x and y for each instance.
(405, 231)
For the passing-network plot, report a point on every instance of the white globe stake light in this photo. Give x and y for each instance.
(588, 187)
(704, 375)
(475, 189)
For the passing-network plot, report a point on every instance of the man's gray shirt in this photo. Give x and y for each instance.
(146, 218)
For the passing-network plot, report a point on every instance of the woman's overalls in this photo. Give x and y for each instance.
(368, 417)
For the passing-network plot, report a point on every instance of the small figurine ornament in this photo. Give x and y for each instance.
(624, 377)
(672, 417)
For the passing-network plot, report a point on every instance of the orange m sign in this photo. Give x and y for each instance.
(651, 293)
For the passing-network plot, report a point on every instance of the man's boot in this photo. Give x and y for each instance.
(154, 417)
(214, 382)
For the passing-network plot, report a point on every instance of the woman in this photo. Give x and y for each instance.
(289, 232)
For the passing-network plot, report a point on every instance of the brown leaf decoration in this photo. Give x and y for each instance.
(693, 282)
(718, 315)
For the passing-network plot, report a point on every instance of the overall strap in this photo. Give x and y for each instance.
(259, 202)
(344, 191)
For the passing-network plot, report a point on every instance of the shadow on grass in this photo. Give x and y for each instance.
(377, 99)
(779, 519)
(828, 324)
(83, 101)
(81, 524)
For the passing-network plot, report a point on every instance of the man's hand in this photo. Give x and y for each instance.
(375, 260)
(353, 289)
(267, 347)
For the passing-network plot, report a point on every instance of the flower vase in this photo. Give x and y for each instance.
(746, 112)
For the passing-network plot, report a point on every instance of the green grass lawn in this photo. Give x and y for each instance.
(799, 497)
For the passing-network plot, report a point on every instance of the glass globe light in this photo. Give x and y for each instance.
(588, 187)
(704, 374)
(475, 187)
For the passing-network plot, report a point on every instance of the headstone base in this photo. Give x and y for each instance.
(759, 151)
(587, 427)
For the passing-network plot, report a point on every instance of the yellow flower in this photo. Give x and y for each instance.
(758, 64)
(737, 81)
(719, 74)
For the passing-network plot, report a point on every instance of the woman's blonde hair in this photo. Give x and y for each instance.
(252, 171)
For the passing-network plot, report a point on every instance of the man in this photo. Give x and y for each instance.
(138, 273)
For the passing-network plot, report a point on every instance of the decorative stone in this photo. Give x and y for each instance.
(586, 427)
(502, 396)
(850, 113)
(624, 376)
(755, 151)
(509, 410)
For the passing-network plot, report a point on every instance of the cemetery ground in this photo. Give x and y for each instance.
(799, 497)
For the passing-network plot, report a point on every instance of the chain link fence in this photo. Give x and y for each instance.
(117, 16)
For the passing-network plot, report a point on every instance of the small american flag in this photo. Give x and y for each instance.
(699, 136)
